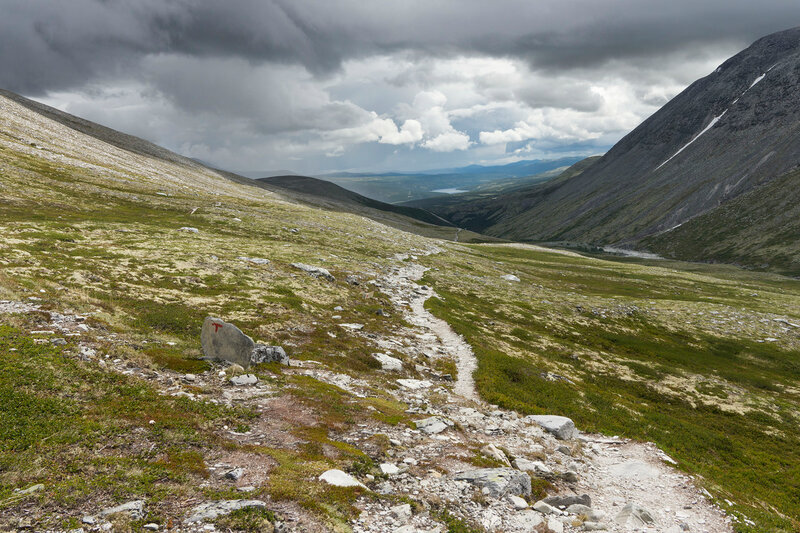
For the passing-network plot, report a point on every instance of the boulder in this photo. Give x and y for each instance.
(235, 475)
(134, 509)
(545, 508)
(212, 510)
(510, 277)
(268, 354)
(317, 272)
(498, 482)
(635, 516)
(222, 341)
(560, 427)
(402, 513)
(518, 503)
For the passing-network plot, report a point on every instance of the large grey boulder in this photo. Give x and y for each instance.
(498, 482)
(225, 342)
(268, 354)
(560, 427)
(211, 510)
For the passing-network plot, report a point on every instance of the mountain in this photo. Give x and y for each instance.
(727, 135)
(397, 187)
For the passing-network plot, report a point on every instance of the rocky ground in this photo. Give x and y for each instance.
(465, 462)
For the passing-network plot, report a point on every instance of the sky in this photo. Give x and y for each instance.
(331, 85)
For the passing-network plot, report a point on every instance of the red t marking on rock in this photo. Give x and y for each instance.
(216, 327)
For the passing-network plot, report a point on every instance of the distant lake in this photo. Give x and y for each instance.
(449, 191)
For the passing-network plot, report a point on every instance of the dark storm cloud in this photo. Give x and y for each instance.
(52, 44)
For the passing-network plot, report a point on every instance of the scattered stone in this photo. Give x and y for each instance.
(354, 327)
(389, 469)
(560, 427)
(585, 510)
(545, 508)
(388, 363)
(187, 229)
(268, 354)
(135, 509)
(566, 501)
(254, 260)
(236, 474)
(570, 476)
(223, 341)
(212, 510)
(243, 380)
(536, 467)
(634, 515)
(58, 341)
(402, 513)
(89, 520)
(594, 526)
(189, 378)
(564, 449)
(317, 272)
(433, 425)
(337, 478)
(498, 482)
(352, 280)
(555, 526)
(490, 450)
(518, 503)
(510, 277)
(29, 490)
(151, 526)
(415, 384)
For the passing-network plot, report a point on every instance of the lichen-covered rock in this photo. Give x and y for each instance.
(225, 342)
(268, 354)
(560, 427)
(212, 510)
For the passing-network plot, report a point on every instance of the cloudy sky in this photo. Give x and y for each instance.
(324, 85)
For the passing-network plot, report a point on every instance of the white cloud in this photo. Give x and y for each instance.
(448, 142)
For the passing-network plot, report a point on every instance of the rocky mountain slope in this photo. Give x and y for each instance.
(426, 378)
(726, 135)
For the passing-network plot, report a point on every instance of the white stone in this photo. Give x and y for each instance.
(518, 503)
(337, 478)
(415, 384)
(388, 362)
(389, 469)
(510, 277)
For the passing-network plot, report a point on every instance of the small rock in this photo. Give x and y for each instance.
(433, 425)
(634, 515)
(89, 520)
(594, 526)
(58, 341)
(545, 508)
(135, 509)
(337, 478)
(268, 354)
(560, 427)
(536, 467)
(236, 474)
(151, 526)
(415, 384)
(389, 469)
(212, 510)
(188, 229)
(498, 482)
(354, 327)
(402, 513)
(388, 363)
(518, 503)
(564, 449)
(29, 490)
(254, 260)
(490, 450)
(317, 272)
(510, 277)
(570, 476)
(566, 501)
(555, 526)
(243, 380)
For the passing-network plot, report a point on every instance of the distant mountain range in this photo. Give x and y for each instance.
(396, 187)
(710, 176)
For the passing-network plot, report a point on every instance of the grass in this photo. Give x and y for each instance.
(632, 340)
